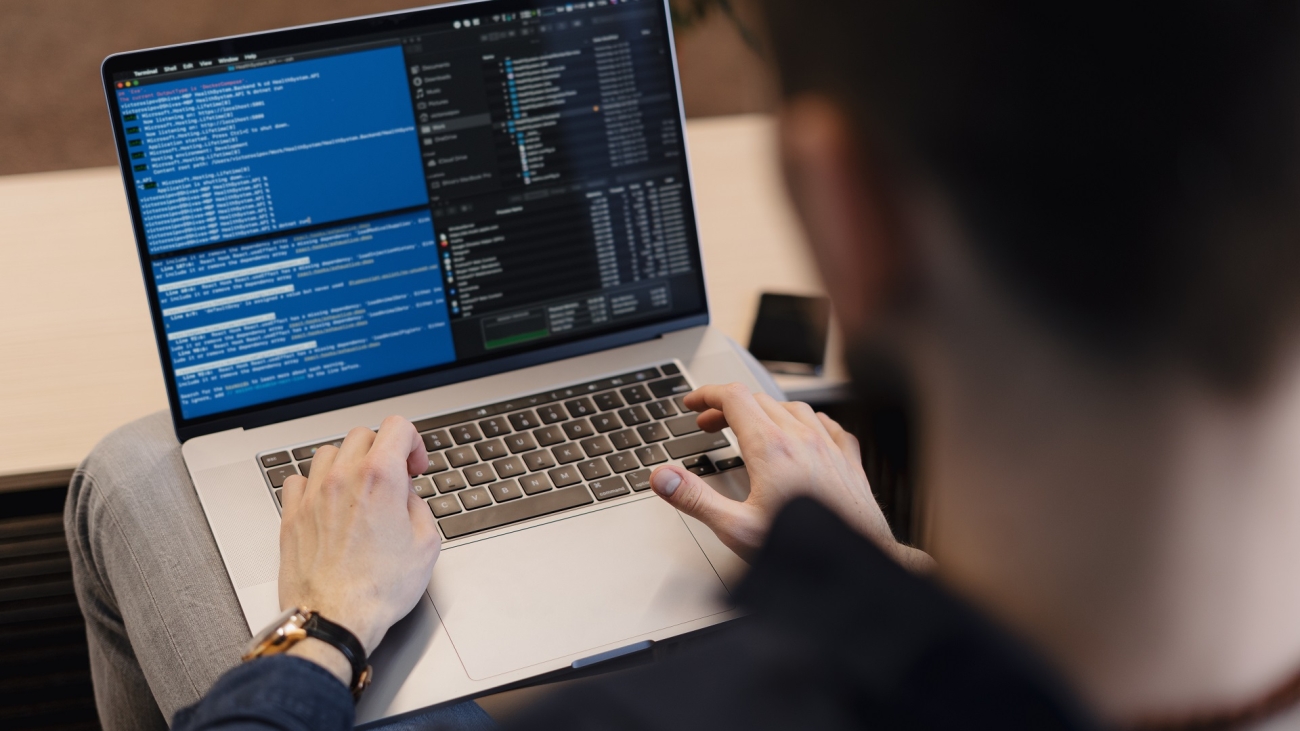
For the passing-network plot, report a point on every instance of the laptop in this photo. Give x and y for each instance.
(478, 216)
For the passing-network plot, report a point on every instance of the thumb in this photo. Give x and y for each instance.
(693, 496)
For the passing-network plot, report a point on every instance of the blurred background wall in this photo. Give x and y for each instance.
(52, 113)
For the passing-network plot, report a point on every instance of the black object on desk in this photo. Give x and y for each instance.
(790, 332)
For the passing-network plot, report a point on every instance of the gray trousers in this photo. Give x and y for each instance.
(162, 620)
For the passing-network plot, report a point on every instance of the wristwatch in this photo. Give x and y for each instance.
(298, 624)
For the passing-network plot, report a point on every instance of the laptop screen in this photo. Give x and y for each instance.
(445, 187)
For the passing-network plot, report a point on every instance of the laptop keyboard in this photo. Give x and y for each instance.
(546, 453)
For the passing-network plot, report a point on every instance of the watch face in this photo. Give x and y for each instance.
(274, 627)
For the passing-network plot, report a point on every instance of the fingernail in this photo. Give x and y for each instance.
(665, 482)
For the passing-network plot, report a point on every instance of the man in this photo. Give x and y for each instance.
(1072, 233)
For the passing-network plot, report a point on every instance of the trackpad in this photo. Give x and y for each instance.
(573, 585)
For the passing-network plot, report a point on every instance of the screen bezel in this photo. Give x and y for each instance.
(353, 29)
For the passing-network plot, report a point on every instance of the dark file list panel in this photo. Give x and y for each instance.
(298, 314)
(256, 151)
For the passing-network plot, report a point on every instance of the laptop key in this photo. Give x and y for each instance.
(625, 439)
(479, 474)
(277, 497)
(565, 476)
(675, 386)
(579, 429)
(636, 394)
(437, 463)
(539, 460)
(653, 454)
(730, 463)
(568, 453)
(608, 401)
(275, 460)
(491, 450)
(495, 427)
(701, 465)
(594, 469)
(461, 456)
(506, 491)
(449, 482)
(609, 487)
(277, 475)
(670, 369)
(525, 420)
(549, 435)
(436, 440)
(682, 425)
(466, 433)
(634, 416)
(533, 484)
(305, 468)
(302, 453)
(661, 409)
(476, 498)
(551, 414)
(640, 480)
(623, 462)
(513, 512)
(509, 467)
(423, 487)
(597, 446)
(444, 506)
(519, 443)
(651, 433)
(606, 423)
(681, 404)
(696, 444)
(580, 407)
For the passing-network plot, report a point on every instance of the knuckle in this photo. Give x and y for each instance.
(329, 450)
(358, 432)
(735, 390)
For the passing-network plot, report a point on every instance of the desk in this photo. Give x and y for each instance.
(79, 357)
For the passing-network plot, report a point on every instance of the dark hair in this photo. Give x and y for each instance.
(1130, 169)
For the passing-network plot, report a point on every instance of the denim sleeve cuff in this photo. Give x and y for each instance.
(280, 692)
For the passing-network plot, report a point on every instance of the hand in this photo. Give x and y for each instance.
(789, 451)
(356, 543)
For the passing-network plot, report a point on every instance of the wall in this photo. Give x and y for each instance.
(52, 113)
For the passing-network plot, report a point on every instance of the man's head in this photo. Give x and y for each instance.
(1129, 173)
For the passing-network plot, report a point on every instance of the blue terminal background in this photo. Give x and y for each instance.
(266, 321)
(258, 151)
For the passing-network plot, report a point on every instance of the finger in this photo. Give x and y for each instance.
(356, 444)
(321, 464)
(422, 520)
(712, 421)
(291, 494)
(399, 443)
(777, 412)
(804, 414)
(743, 413)
(731, 521)
(847, 443)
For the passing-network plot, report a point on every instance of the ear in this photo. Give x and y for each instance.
(845, 209)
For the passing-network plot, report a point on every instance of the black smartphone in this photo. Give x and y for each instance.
(790, 332)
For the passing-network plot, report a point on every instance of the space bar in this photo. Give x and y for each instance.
(499, 515)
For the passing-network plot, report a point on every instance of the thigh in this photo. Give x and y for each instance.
(147, 570)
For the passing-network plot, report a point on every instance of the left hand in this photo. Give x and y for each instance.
(356, 543)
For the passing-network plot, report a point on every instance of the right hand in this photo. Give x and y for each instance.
(790, 451)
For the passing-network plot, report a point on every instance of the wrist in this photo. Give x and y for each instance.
(325, 655)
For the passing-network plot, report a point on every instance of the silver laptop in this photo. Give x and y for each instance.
(478, 216)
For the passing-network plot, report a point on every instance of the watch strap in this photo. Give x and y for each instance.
(347, 643)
